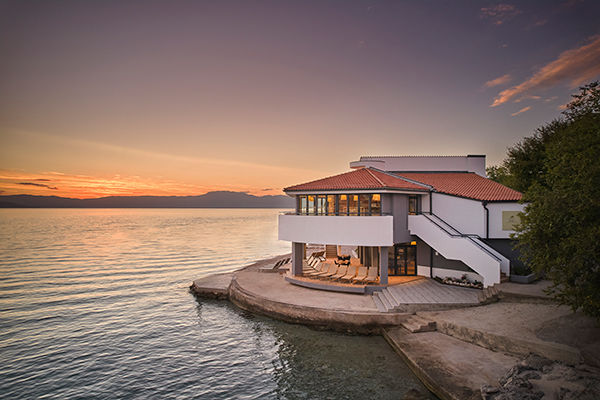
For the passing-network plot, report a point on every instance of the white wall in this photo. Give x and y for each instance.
(496, 231)
(466, 215)
(341, 230)
(425, 163)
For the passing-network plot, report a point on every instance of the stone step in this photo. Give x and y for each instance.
(392, 291)
(378, 303)
(383, 300)
(388, 296)
(417, 324)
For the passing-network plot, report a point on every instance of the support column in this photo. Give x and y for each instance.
(383, 265)
(297, 258)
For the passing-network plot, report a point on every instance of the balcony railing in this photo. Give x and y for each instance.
(334, 214)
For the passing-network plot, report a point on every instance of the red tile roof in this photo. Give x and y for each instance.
(465, 184)
(364, 178)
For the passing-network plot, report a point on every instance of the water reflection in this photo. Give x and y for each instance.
(306, 363)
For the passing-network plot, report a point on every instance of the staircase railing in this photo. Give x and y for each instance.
(457, 233)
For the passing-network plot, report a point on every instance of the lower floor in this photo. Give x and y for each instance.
(407, 259)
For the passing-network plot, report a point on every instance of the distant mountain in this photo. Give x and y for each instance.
(221, 199)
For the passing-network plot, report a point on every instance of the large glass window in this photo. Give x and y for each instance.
(353, 204)
(331, 204)
(321, 204)
(311, 205)
(343, 201)
(302, 205)
(364, 204)
(375, 204)
(413, 205)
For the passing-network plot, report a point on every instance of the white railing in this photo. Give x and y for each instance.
(453, 245)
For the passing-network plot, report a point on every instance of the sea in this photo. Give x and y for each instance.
(95, 304)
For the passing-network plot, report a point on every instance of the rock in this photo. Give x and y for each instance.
(533, 361)
(530, 375)
(414, 394)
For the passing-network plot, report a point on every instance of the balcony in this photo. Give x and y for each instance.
(341, 230)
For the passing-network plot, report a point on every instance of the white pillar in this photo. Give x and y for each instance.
(383, 265)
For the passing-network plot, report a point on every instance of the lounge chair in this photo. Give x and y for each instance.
(371, 277)
(340, 272)
(308, 260)
(361, 274)
(351, 273)
(310, 264)
(319, 269)
(330, 271)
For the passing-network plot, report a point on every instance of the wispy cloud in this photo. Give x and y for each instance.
(501, 80)
(549, 99)
(574, 66)
(527, 97)
(38, 184)
(499, 13)
(521, 111)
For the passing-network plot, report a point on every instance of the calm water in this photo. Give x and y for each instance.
(95, 304)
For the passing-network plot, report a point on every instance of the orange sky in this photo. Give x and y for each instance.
(181, 98)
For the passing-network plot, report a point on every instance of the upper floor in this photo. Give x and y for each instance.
(471, 203)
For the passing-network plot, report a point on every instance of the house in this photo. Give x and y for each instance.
(434, 216)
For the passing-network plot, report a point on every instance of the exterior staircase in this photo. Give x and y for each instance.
(454, 245)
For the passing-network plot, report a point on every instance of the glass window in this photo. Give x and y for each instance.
(343, 200)
(321, 204)
(364, 204)
(302, 205)
(413, 205)
(311, 205)
(331, 204)
(375, 204)
(353, 204)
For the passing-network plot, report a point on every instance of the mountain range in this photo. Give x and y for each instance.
(218, 199)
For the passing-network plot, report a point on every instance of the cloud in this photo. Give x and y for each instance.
(549, 99)
(574, 66)
(501, 80)
(527, 97)
(521, 111)
(499, 13)
(39, 185)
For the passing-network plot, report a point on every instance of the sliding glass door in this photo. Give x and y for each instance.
(402, 259)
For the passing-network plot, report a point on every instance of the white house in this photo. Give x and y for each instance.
(430, 216)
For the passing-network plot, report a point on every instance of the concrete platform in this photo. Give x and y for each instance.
(449, 367)
(548, 330)
(271, 295)
(213, 286)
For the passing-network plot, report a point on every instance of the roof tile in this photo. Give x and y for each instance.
(465, 184)
(364, 178)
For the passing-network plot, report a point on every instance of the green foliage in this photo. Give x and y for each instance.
(559, 171)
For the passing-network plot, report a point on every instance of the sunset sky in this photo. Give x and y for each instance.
(183, 97)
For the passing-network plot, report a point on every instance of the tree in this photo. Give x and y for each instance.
(558, 169)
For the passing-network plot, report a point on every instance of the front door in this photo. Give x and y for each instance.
(402, 260)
